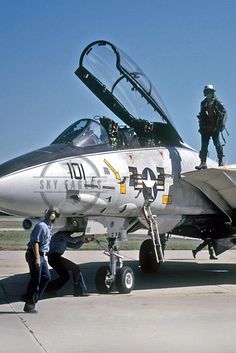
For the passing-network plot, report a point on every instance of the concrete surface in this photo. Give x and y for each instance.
(189, 307)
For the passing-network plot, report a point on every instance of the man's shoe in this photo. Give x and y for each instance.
(212, 257)
(83, 294)
(203, 165)
(80, 293)
(30, 308)
(220, 164)
(194, 253)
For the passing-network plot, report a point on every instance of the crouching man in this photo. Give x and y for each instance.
(59, 242)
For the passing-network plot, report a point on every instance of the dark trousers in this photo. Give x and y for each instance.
(205, 138)
(39, 278)
(206, 243)
(63, 267)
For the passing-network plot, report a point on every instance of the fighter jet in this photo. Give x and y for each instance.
(119, 173)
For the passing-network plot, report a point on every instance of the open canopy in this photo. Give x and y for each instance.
(123, 87)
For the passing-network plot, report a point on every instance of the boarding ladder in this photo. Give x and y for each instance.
(153, 230)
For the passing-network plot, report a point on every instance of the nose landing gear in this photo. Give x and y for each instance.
(114, 274)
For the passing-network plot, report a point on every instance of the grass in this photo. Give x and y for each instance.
(17, 240)
(14, 240)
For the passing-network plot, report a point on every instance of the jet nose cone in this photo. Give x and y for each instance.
(13, 191)
(7, 196)
(19, 192)
(28, 191)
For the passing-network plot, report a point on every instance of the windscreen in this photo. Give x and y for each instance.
(83, 133)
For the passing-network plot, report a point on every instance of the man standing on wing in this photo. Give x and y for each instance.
(212, 119)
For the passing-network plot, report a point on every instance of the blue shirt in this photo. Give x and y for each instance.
(41, 234)
(61, 240)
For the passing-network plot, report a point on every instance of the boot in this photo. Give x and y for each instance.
(202, 165)
(213, 257)
(30, 308)
(220, 163)
(80, 289)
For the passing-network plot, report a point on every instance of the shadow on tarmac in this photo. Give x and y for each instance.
(172, 274)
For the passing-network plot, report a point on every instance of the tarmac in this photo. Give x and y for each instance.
(190, 306)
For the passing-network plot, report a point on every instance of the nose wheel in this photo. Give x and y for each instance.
(107, 277)
(125, 280)
(105, 282)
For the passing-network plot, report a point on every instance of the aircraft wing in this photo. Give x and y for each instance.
(219, 185)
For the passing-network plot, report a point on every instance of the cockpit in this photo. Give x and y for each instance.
(105, 131)
(98, 131)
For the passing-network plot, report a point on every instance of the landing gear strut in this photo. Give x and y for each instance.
(114, 274)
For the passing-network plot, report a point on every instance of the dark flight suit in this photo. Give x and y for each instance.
(211, 122)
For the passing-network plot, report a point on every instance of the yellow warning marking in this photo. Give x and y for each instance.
(117, 174)
(123, 187)
(166, 199)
